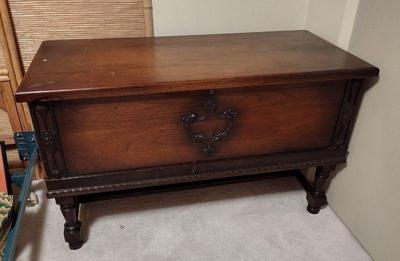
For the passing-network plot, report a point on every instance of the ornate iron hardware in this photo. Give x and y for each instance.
(210, 108)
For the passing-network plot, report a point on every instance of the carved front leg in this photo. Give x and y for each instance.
(72, 227)
(316, 197)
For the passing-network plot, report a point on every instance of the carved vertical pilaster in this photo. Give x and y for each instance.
(348, 110)
(46, 131)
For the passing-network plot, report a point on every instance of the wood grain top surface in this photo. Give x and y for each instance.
(77, 69)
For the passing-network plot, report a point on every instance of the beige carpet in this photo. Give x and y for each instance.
(259, 220)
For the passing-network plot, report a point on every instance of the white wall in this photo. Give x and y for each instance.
(182, 17)
(366, 193)
(325, 17)
(332, 20)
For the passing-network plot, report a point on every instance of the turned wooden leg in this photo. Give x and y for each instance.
(316, 197)
(72, 228)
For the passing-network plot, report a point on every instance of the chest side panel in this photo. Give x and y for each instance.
(135, 132)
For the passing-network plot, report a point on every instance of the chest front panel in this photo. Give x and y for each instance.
(143, 131)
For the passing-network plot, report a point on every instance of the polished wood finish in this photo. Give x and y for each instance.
(77, 69)
(121, 114)
(147, 131)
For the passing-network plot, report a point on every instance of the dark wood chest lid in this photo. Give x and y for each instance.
(77, 69)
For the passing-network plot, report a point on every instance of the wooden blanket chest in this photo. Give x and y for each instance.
(119, 114)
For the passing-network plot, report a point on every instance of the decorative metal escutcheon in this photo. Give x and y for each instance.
(210, 109)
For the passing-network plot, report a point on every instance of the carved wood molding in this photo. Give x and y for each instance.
(194, 177)
(47, 136)
(346, 117)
